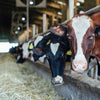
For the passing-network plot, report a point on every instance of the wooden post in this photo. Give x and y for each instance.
(64, 8)
(67, 4)
(75, 2)
(71, 8)
(27, 10)
(98, 2)
(33, 30)
(37, 30)
(53, 20)
(44, 23)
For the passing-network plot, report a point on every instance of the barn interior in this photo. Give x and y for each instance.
(24, 20)
(21, 20)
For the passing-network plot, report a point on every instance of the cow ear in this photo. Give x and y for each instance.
(57, 30)
(96, 18)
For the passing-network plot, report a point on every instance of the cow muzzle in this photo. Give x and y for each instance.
(32, 59)
(79, 66)
(25, 57)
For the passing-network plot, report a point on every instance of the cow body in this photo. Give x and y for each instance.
(37, 53)
(55, 52)
(17, 51)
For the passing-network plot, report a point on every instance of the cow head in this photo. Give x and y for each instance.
(81, 37)
(59, 30)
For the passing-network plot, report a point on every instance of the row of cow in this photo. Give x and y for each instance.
(80, 34)
(52, 47)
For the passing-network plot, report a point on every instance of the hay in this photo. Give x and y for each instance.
(18, 82)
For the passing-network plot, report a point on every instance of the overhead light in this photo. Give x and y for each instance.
(31, 2)
(78, 4)
(81, 12)
(19, 28)
(16, 32)
(59, 13)
(23, 19)
(59, 2)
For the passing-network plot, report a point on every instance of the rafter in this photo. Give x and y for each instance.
(48, 13)
(37, 22)
(54, 5)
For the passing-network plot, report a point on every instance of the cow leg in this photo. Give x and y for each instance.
(53, 71)
(59, 69)
(62, 67)
(57, 72)
(52, 67)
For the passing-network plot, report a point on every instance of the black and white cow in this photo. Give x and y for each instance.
(26, 50)
(17, 52)
(37, 54)
(55, 48)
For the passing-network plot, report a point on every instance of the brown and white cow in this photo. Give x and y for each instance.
(82, 39)
(81, 35)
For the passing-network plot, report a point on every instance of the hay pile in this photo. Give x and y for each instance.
(18, 82)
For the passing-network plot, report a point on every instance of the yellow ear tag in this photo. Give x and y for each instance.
(48, 42)
(69, 52)
(31, 46)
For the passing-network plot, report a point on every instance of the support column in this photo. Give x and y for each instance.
(53, 20)
(71, 8)
(27, 10)
(37, 30)
(64, 8)
(98, 2)
(67, 4)
(44, 23)
(75, 2)
(33, 30)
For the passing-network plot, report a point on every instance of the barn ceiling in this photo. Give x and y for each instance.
(7, 6)
(35, 14)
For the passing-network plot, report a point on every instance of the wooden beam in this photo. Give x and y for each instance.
(37, 22)
(49, 13)
(98, 2)
(54, 5)
(38, 17)
(82, 1)
(75, 2)
(67, 4)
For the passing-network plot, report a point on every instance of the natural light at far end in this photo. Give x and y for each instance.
(5, 46)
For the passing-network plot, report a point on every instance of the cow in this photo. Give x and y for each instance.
(37, 54)
(55, 48)
(17, 51)
(25, 48)
(81, 36)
